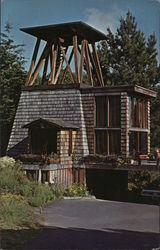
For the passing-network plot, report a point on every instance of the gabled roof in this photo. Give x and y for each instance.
(58, 123)
(66, 31)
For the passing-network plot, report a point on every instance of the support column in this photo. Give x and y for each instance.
(148, 124)
(124, 124)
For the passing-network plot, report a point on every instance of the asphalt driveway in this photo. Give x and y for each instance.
(95, 224)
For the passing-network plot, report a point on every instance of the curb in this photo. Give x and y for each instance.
(79, 198)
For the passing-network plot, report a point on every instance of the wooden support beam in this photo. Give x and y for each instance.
(82, 60)
(51, 57)
(41, 61)
(98, 63)
(75, 47)
(45, 69)
(34, 57)
(60, 64)
(94, 65)
(88, 64)
(68, 66)
(54, 57)
(69, 61)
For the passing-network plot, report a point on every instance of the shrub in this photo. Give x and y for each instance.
(143, 179)
(77, 190)
(59, 190)
(6, 162)
(37, 194)
(11, 176)
(14, 211)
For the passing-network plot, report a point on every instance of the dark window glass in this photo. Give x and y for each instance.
(138, 142)
(138, 112)
(101, 111)
(101, 142)
(43, 141)
(114, 111)
(143, 142)
(44, 176)
(114, 142)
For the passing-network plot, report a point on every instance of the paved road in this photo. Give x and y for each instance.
(95, 224)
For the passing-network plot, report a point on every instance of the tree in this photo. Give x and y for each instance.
(12, 77)
(126, 58)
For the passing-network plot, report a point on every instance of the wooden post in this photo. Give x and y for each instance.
(34, 57)
(54, 63)
(69, 61)
(98, 63)
(59, 67)
(82, 61)
(68, 66)
(88, 65)
(41, 61)
(45, 69)
(94, 66)
(75, 47)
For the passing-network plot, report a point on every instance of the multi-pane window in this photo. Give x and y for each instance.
(137, 142)
(108, 125)
(138, 112)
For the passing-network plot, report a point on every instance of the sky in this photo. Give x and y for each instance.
(97, 13)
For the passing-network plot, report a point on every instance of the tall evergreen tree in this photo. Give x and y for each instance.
(12, 76)
(126, 57)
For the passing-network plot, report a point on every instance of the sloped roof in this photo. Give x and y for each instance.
(59, 123)
(66, 31)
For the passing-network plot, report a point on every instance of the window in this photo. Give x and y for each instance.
(101, 142)
(138, 112)
(108, 125)
(43, 141)
(114, 142)
(114, 111)
(101, 114)
(45, 176)
(138, 142)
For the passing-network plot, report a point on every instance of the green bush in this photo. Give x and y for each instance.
(59, 190)
(37, 194)
(142, 180)
(6, 162)
(11, 176)
(14, 211)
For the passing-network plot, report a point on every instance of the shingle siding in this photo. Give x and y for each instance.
(65, 104)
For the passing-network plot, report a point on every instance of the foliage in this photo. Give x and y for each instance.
(14, 180)
(126, 57)
(12, 77)
(6, 162)
(59, 190)
(120, 162)
(11, 175)
(143, 179)
(14, 211)
(37, 194)
(77, 190)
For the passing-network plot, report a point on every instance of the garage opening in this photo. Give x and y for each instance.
(107, 184)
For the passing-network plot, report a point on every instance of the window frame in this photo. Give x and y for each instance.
(135, 110)
(108, 129)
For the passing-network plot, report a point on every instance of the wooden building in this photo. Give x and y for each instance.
(70, 114)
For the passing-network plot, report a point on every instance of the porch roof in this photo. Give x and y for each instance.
(52, 122)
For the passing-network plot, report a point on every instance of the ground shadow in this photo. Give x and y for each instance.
(79, 238)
